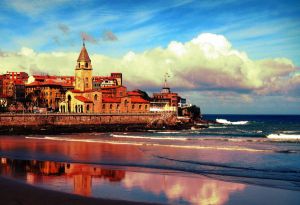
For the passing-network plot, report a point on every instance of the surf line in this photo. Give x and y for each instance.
(151, 144)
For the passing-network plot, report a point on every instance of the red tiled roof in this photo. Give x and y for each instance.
(112, 87)
(49, 83)
(35, 83)
(86, 91)
(111, 100)
(101, 78)
(19, 82)
(133, 93)
(138, 100)
(83, 99)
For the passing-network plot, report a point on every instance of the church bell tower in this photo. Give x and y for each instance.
(83, 71)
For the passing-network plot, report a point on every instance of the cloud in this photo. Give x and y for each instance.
(56, 40)
(201, 191)
(85, 36)
(33, 7)
(109, 36)
(64, 28)
(206, 63)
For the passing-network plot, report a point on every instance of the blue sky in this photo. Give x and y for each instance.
(261, 29)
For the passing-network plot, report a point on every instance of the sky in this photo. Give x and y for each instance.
(230, 56)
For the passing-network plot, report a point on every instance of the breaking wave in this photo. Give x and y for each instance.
(150, 138)
(175, 146)
(284, 137)
(227, 122)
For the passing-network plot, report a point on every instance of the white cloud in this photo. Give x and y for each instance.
(33, 7)
(207, 62)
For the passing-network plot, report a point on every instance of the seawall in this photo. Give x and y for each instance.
(62, 123)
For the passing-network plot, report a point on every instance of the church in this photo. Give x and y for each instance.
(114, 98)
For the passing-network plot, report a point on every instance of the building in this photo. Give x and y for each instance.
(165, 101)
(115, 79)
(47, 93)
(83, 98)
(100, 94)
(44, 78)
(12, 86)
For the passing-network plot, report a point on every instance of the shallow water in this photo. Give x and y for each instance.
(139, 184)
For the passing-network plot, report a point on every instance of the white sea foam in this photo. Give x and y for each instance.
(283, 137)
(151, 138)
(227, 122)
(168, 132)
(198, 147)
(215, 127)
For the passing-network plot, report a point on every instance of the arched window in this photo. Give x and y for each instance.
(95, 97)
(110, 107)
(78, 65)
(132, 106)
(88, 108)
(140, 106)
(103, 106)
(86, 65)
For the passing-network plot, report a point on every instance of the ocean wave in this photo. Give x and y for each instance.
(150, 138)
(168, 132)
(284, 137)
(227, 122)
(142, 143)
(227, 166)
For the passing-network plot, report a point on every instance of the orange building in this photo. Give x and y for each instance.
(47, 93)
(12, 85)
(100, 94)
(165, 101)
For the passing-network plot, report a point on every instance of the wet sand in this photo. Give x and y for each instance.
(17, 193)
(120, 171)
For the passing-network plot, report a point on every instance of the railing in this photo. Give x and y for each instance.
(78, 114)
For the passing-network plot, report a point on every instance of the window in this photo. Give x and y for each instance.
(140, 106)
(95, 98)
(86, 65)
(133, 107)
(146, 107)
(103, 106)
(110, 107)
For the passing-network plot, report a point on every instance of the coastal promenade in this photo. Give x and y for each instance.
(72, 122)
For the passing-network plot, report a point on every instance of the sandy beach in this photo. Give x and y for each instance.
(146, 168)
(17, 193)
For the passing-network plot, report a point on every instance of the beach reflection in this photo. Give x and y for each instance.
(93, 180)
(194, 190)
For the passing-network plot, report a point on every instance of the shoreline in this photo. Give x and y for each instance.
(16, 192)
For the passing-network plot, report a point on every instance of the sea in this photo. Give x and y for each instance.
(242, 159)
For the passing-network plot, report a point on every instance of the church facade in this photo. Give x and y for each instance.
(86, 98)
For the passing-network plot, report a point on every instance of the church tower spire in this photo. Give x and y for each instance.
(83, 71)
